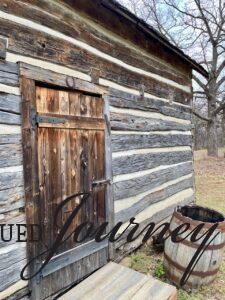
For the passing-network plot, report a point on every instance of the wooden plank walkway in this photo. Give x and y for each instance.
(113, 282)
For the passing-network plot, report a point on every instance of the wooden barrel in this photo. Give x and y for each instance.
(177, 256)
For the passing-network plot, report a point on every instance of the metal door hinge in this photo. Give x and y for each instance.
(35, 119)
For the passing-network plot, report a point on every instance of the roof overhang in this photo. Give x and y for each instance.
(92, 8)
(147, 29)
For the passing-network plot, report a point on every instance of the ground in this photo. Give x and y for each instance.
(210, 192)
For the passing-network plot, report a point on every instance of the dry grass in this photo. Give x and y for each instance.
(210, 192)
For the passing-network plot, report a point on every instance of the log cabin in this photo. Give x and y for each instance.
(91, 99)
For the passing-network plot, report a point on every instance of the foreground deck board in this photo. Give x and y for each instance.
(114, 281)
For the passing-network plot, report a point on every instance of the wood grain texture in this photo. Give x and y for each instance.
(10, 103)
(155, 217)
(30, 42)
(3, 47)
(76, 26)
(139, 162)
(68, 160)
(126, 283)
(123, 142)
(12, 254)
(9, 73)
(30, 163)
(11, 155)
(11, 199)
(9, 118)
(69, 122)
(11, 179)
(154, 197)
(11, 274)
(109, 174)
(57, 79)
(126, 100)
(10, 139)
(124, 121)
(69, 276)
(135, 186)
(60, 162)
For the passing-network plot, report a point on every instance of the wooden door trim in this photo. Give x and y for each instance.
(30, 77)
(30, 167)
(109, 172)
(71, 256)
(51, 78)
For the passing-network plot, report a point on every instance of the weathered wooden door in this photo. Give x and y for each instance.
(70, 133)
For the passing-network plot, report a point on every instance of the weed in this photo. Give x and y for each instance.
(159, 270)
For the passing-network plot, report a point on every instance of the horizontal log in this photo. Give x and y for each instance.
(11, 179)
(157, 196)
(121, 142)
(11, 254)
(18, 290)
(11, 274)
(27, 42)
(126, 100)
(139, 162)
(10, 138)
(158, 214)
(9, 73)
(8, 67)
(13, 217)
(11, 155)
(122, 121)
(10, 103)
(138, 185)
(11, 199)
(77, 27)
(9, 78)
(3, 47)
(9, 118)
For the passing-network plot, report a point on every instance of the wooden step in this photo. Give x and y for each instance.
(113, 282)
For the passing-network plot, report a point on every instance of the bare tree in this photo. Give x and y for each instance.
(197, 27)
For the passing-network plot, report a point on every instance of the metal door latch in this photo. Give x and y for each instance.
(100, 182)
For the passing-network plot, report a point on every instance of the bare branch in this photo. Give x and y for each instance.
(220, 68)
(220, 82)
(201, 84)
(200, 116)
(197, 2)
(221, 107)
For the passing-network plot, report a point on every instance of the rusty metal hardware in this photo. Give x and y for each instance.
(100, 182)
(36, 119)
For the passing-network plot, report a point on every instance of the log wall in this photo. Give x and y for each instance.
(12, 254)
(149, 98)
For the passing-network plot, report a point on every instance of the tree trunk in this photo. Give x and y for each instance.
(212, 130)
(223, 127)
(212, 138)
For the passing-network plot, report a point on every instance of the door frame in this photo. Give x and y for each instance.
(30, 77)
